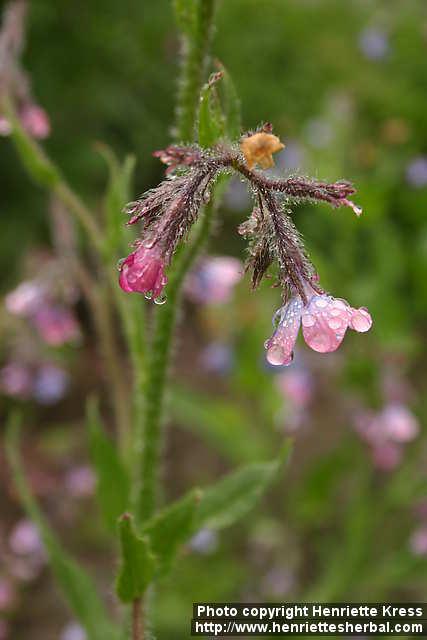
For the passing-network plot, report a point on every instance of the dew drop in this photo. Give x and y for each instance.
(276, 355)
(148, 295)
(120, 264)
(308, 320)
(160, 299)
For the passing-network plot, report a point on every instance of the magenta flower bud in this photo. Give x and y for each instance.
(35, 121)
(143, 272)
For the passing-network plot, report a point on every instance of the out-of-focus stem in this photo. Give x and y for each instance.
(195, 51)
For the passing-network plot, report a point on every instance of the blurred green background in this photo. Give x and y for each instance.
(345, 85)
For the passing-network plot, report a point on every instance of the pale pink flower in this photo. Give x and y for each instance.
(399, 423)
(16, 380)
(213, 280)
(35, 121)
(25, 539)
(296, 386)
(324, 322)
(143, 272)
(5, 126)
(80, 482)
(25, 299)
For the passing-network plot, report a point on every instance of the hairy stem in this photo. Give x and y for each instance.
(137, 620)
(194, 56)
(150, 437)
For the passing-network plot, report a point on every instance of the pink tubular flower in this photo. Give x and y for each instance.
(143, 272)
(324, 322)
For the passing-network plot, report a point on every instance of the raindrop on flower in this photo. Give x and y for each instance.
(160, 299)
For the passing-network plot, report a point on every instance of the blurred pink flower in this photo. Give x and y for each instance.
(324, 322)
(56, 325)
(213, 280)
(73, 631)
(418, 541)
(5, 126)
(386, 432)
(35, 121)
(143, 272)
(80, 482)
(16, 380)
(24, 539)
(25, 299)
(296, 386)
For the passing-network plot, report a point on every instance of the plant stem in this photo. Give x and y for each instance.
(137, 620)
(195, 44)
(149, 444)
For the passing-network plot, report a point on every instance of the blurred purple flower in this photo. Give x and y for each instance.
(278, 582)
(213, 280)
(373, 43)
(16, 380)
(24, 539)
(50, 384)
(56, 325)
(416, 172)
(80, 482)
(217, 357)
(73, 631)
(204, 541)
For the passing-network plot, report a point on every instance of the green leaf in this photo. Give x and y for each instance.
(232, 497)
(138, 563)
(170, 528)
(231, 104)
(117, 195)
(186, 15)
(113, 485)
(77, 586)
(211, 118)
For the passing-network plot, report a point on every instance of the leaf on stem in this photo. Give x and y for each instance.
(137, 564)
(211, 118)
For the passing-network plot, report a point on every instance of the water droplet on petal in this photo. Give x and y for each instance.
(120, 264)
(321, 302)
(276, 355)
(148, 295)
(334, 323)
(361, 320)
(308, 320)
(160, 299)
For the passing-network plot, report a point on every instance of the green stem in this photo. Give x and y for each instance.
(150, 437)
(196, 42)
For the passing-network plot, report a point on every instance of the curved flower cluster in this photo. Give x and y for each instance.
(324, 321)
(168, 212)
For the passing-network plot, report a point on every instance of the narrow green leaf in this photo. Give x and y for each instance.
(211, 119)
(232, 497)
(231, 104)
(170, 528)
(77, 586)
(138, 563)
(113, 485)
